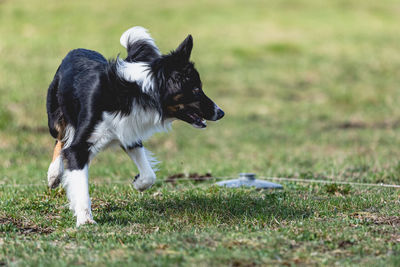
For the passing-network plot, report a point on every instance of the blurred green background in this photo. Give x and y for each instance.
(310, 89)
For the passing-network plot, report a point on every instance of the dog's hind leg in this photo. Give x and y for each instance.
(56, 168)
(76, 184)
(76, 153)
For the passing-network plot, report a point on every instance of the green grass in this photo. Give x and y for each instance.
(310, 89)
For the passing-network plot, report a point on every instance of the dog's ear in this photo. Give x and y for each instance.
(185, 48)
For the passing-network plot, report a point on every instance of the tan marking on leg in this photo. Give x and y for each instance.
(57, 150)
(60, 127)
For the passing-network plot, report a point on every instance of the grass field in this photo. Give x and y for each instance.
(310, 89)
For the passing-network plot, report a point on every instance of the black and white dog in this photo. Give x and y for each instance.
(93, 103)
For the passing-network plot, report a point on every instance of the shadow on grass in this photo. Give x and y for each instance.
(201, 209)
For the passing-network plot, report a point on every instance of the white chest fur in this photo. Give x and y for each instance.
(140, 124)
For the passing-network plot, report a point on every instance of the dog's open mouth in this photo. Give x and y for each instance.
(197, 121)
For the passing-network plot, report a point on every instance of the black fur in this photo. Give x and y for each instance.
(141, 51)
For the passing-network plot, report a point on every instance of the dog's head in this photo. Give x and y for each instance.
(182, 94)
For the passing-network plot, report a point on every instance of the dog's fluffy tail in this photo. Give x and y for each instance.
(135, 34)
(139, 44)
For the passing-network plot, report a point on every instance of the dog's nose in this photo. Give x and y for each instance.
(220, 114)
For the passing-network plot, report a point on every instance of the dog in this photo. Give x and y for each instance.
(93, 103)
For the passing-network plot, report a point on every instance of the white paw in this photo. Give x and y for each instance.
(55, 172)
(142, 183)
(83, 222)
(84, 217)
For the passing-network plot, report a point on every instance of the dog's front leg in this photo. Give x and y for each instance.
(144, 162)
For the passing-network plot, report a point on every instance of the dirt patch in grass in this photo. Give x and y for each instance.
(22, 227)
(172, 177)
(345, 244)
(192, 176)
(377, 219)
(243, 262)
(200, 177)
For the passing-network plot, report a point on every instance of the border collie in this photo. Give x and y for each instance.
(93, 103)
